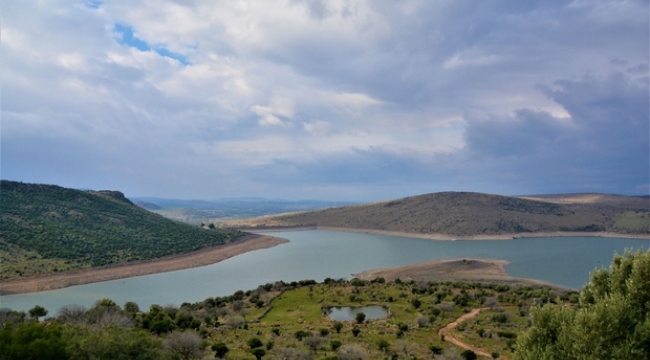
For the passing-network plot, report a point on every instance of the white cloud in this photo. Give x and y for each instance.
(316, 86)
(465, 59)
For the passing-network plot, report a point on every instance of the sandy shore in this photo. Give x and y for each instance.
(171, 263)
(447, 237)
(467, 269)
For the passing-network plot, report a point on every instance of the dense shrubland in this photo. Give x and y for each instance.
(45, 228)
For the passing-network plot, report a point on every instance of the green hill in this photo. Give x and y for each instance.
(470, 214)
(45, 228)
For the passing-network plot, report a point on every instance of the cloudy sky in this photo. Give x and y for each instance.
(355, 100)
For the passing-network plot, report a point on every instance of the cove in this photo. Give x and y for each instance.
(318, 254)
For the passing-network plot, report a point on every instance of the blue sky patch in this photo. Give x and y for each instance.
(93, 4)
(126, 37)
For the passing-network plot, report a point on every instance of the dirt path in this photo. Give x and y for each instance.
(171, 263)
(446, 332)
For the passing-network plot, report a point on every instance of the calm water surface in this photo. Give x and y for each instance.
(347, 313)
(317, 254)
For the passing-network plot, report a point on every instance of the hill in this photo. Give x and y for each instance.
(476, 214)
(199, 211)
(47, 228)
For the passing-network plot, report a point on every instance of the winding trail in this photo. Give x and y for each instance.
(446, 332)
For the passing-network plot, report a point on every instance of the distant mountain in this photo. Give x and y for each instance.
(201, 210)
(147, 205)
(470, 214)
(45, 228)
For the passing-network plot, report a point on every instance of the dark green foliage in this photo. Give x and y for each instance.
(112, 343)
(383, 345)
(355, 331)
(338, 326)
(92, 228)
(416, 303)
(221, 350)
(37, 311)
(254, 343)
(612, 320)
(34, 341)
(435, 349)
(131, 307)
(360, 317)
(335, 345)
(258, 353)
(507, 334)
(469, 355)
(500, 318)
(301, 334)
(324, 332)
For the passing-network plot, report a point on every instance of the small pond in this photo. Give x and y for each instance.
(347, 313)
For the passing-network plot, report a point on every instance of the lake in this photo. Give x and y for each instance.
(318, 254)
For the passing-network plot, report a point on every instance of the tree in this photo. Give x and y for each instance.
(435, 349)
(612, 320)
(186, 345)
(383, 345)
(221, 350)
(360, 317)
(37, 311)
(112, 342)
(338, 326)
(255, 343)
(355, 331)
(335, 344)
(258, 353)
(32, 341)
(469, 355)
(131, 307)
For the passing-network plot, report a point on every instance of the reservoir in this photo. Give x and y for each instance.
(347, 313)
(318, 254)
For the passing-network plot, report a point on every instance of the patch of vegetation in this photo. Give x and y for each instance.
(632, 222)
(46, 228)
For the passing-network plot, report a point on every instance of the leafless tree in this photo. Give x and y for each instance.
(73, 314)
(235, 321)
(446, 306)
(491, 302)
(313, 342)
(406, 347)
(186, 345)
(352, 352)
(423, 321)
(112, 316)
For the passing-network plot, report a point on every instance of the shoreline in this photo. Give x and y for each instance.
(448, 237)
(84, 276)
(455, 269)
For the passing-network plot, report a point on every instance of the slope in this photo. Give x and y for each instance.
(45, 228)
(472, 214)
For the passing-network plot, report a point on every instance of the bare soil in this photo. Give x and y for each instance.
(448, 335)
(177, 262)
(478, 270)
(448, 237)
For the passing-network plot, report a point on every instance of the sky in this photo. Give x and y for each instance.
(353, 100)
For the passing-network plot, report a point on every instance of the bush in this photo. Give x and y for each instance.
(469, 355)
